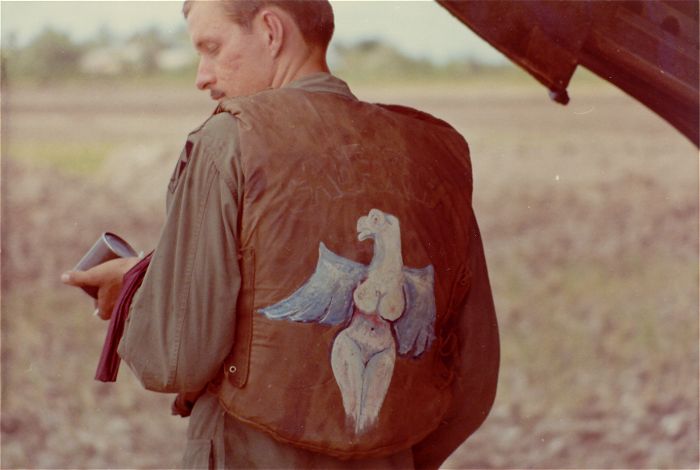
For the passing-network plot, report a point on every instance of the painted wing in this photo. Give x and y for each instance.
(327, 296)
(415, 329)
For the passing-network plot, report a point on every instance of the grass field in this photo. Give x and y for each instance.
(590, 219)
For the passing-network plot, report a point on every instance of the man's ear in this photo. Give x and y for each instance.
(273, 27)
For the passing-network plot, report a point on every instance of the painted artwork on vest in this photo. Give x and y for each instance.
(388, 309)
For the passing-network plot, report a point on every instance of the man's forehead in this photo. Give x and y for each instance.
(205, 11)
(206, 17)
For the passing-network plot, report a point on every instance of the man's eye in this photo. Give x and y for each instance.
(212, 48)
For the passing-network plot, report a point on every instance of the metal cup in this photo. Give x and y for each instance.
(108, 246)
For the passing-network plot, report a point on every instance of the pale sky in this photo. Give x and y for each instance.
(420, 28)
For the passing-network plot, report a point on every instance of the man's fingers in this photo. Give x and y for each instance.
(95, 276)
(78, 278)
(103, 307)
(107, 278)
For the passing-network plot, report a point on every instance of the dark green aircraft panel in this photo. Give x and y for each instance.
(648, 48)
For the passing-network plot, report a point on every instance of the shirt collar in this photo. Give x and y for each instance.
(322, 82)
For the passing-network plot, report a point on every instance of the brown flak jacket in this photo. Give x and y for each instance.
(354, 248)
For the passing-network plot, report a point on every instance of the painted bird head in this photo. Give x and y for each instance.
(376, 223)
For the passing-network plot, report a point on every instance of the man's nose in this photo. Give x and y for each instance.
(205, 74)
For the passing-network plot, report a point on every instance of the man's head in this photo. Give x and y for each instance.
(246, 46)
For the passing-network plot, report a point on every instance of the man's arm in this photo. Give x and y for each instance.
(181, 322)
(474, 385)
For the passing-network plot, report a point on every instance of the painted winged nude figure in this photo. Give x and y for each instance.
(387, 308)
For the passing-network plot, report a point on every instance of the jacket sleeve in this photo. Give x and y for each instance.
(474, 384)
(181, 321)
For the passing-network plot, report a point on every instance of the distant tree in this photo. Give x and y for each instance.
(3, 68)
(7, 53)
(152, 43)
(369, 45)
(50, 56)
(376, 59)
(179, 35)
(103, 38)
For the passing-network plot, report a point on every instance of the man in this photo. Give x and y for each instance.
(319, 290)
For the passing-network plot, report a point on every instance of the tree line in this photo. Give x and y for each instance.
(53, 56)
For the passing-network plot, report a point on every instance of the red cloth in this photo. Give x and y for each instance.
(108, 366)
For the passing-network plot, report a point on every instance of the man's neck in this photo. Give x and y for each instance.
(294, 69)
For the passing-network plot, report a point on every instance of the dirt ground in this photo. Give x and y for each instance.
(590, 219)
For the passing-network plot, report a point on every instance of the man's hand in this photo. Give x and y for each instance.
(107, 277)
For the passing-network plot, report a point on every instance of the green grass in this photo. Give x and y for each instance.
(77, 158)
(55, 415)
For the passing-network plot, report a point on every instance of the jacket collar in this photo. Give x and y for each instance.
(322, 82)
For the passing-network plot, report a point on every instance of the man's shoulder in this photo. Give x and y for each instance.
(216, 141)
(415, 114)
(219, 124)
